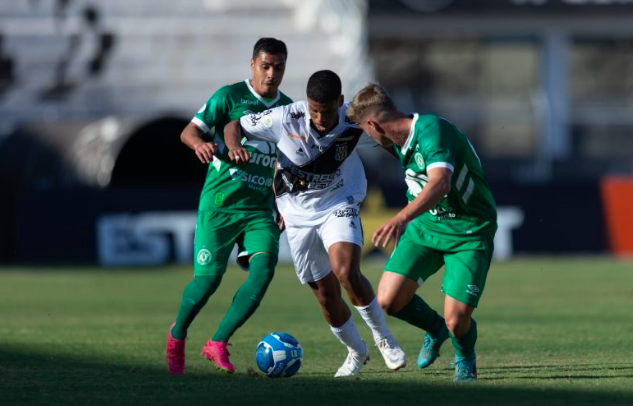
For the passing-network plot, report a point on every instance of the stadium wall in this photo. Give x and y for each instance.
(153, 226)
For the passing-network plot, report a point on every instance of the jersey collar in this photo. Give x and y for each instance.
(261, 99)
(407, 143)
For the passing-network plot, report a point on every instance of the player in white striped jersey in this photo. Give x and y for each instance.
(319, 185)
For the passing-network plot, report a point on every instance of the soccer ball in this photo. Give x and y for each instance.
(279, 355)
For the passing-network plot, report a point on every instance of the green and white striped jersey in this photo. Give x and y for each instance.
(468, 211)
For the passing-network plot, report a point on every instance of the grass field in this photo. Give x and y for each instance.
(551, 331)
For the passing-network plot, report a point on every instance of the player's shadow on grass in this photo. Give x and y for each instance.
(30, 376)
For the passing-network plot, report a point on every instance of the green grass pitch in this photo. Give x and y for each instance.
(551, 331)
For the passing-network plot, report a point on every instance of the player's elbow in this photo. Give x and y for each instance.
(188, 133)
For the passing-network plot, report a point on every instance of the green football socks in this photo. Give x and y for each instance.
(248, 296)
(465, 345)
(195, 296)
(420, 314)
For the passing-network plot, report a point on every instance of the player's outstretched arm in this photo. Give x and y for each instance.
(233, 134)
(192, 136)
(438, 186)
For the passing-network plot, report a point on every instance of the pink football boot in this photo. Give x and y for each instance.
(175, 354)
(218, 353)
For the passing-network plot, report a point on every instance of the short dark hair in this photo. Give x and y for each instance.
(270, 46)
(324, 86)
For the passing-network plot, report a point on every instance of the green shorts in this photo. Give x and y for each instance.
(217, 233)
(419, 255)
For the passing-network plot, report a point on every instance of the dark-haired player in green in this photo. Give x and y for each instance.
(235, 206)
(451, 220)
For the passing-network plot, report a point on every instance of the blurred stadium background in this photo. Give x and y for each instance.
(93, 96)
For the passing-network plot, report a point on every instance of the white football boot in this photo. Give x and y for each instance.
(394, 356)
(353, 363)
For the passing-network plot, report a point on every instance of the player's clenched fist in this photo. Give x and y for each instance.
(239, 155)
(205, 151)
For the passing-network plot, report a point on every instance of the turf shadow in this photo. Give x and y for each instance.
(30, 376)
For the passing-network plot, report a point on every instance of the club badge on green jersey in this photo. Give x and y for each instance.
(204, 256)
(419, 160)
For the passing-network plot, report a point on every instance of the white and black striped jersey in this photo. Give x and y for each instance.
(314, 173)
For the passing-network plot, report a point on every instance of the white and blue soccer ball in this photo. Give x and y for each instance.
(279, 355)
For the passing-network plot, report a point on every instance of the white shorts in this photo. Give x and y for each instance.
(310, 241)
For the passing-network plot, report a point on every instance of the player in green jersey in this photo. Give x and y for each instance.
(450, 220)
(236, 205)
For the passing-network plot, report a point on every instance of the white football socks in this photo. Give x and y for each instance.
(375, 319)
(349, 336)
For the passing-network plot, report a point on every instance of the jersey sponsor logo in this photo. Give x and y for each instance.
(257, 182)
(262, 159)
(204, 257)
(252, 102)
(294, 180)
(347, 212)
(339, 185)
(300, 152)
(419, 160)
(341, 153)
(350, 199)
(472, 290)
(297, 115)
(315, 178)
(254, 118)
(352, 224)
(321, 148)
(442, 213)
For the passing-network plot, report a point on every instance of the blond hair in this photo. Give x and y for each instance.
(370, 98)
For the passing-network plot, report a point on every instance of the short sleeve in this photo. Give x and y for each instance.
(439, 145)
(215, 110)
(264, 126)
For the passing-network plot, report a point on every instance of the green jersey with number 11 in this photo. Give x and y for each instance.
(237, 188)
(468, 211)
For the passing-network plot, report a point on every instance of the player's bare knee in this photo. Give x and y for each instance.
(387, 304)
(349, 277)
(458, 325)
